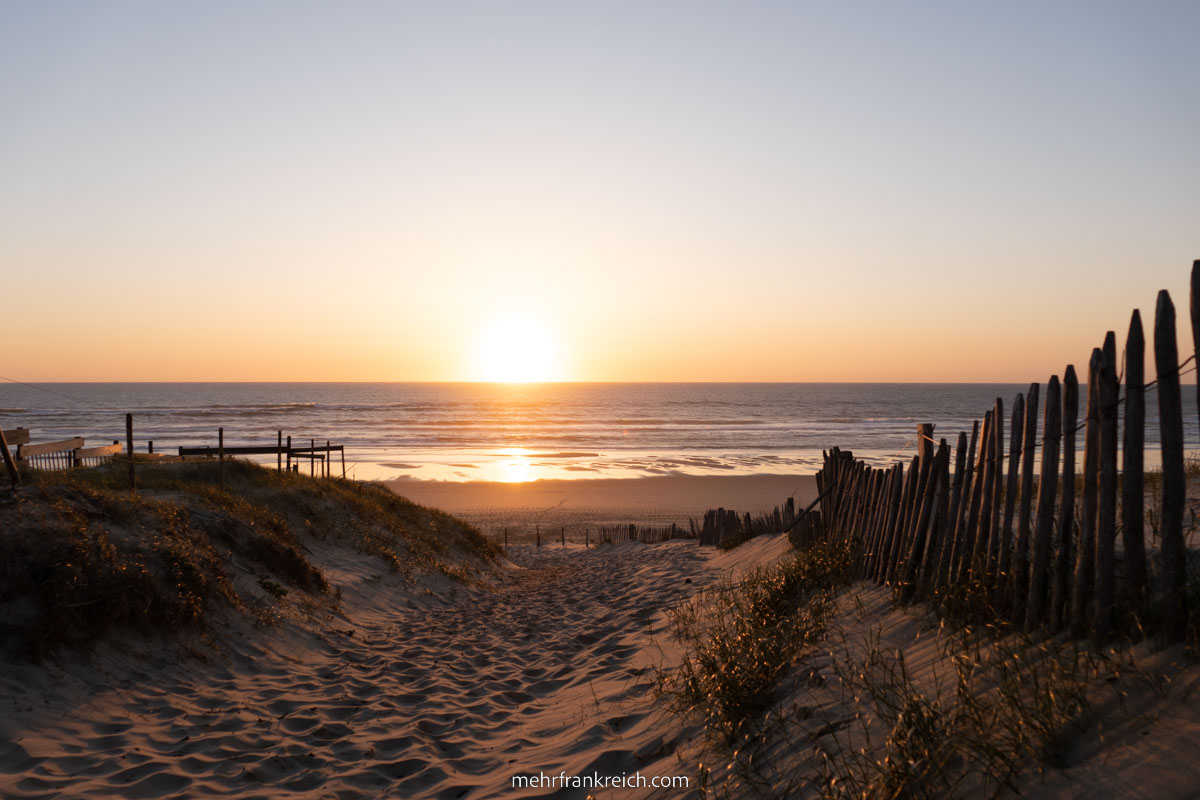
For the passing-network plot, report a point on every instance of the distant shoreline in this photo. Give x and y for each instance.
(660, 499)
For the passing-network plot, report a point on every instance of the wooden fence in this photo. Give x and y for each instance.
(64, 454)
(1020, 546)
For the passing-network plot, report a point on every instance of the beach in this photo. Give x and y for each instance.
(425, 689)
(555, 504)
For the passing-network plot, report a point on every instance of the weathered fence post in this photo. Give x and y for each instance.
(1047, 489)
(1085, 558)
(537, 530)
(279, 452)
(925, 441)
(1195, 309)
(983, 542)
(1019, 581)
(1106, 515)
(967, 565)
(129, 447)
(1133, 461)
(942, 568)
(221, 456)
(960, 525)
(13, 473)
(1060, 596)
(1004, 567)
(908, 507)
(289, 454)
(1170, 416)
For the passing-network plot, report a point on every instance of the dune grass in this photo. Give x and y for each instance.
(81, 554)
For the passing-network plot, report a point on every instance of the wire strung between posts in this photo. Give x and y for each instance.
(1180, 371)
(44, 389)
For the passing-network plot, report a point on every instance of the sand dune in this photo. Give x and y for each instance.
(426, 690)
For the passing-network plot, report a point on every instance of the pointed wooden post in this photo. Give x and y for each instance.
(1170, 417)
(990, 481)
(1085, 560)
(1133, 461)
(1106, 513)
(960, 525)
(1004, 566)
(1064, 540)
(942, 570)
(1020, 563)
(129, 451)
(1044, 531)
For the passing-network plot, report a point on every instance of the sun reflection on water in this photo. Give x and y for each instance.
(517, 468)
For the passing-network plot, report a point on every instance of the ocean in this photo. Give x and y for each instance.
(518, 432)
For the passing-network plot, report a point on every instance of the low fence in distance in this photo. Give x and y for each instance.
(64, 454)
(1031, 551)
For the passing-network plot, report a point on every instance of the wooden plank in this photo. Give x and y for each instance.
(260, 450)
(1085, 558)
(1170, 418)
(1043, 534)
(46, 448)
(1106, 514)
(16, 436)
(98, 452)
(1064, 538)
(1133, 460)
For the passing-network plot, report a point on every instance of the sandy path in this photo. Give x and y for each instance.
(412, 695)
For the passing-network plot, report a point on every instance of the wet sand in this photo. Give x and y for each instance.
(658, 500)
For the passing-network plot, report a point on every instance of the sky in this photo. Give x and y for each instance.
(603, 191)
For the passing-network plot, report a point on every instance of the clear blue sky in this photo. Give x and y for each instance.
(666, 190)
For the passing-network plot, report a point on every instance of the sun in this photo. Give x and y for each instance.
(516, 347)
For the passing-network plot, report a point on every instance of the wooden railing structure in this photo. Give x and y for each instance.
(63, 454)
(1017, 544)
(70, 453)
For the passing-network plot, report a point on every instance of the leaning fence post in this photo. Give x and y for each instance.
(13, 474)
(129, 446)
(1170, 416)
